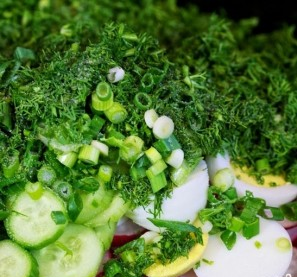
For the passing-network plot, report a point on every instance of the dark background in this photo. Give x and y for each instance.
(272, 14)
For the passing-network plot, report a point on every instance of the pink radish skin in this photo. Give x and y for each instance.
(288, 224)
(108, 255)
(126, 231)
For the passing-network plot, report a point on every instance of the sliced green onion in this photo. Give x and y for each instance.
(150, 117)
(143, 161)
(131, 148)
(68, 159)
(128, 256)
(105, 173)
(104, 92)
(167, 145)
(11, 166)
(173, 225)
(53, 162)
(236, 224)
(251, 209)
(283, 244)
(116, 113)
(96, 124)
(89, 154)
(137, 173)
(176, 158)
(290, 210)
(163, 127)
(63, 189)
(157, 167)
(74, 206)
(111, 132)
(35, 190)
(59, 217)
(206, 227)
(179, 175)
(46, 175)
(263, 166)
(88, 184)
(102, 147)
(113, 141)
(101, 105)
(229, 238)
(273, 213)
(158, 74)
(157, 181)
(231, 193)
(251, 229)
(115, 74)
(223, 179)
(143, 101)
(153, 155)
(147, 82)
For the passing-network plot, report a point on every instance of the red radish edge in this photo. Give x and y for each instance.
(108, 255)
(125, 232)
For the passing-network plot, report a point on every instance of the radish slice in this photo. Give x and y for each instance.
(183, 205)
(126, 231)
(293, 235)
(107, 256)
(267, 254)
(288, 224)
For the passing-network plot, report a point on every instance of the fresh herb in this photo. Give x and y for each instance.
(176, 241)
(132, 259)
(230, 214)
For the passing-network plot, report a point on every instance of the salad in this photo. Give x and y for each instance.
(145, 139)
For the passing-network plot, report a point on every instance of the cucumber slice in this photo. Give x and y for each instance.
(15, 261)
(116, 209)
(94, 203)
(105, 234)
(77, 253)
(30, 223)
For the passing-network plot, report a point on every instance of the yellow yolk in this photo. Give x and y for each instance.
(182, 264)
(269, 179)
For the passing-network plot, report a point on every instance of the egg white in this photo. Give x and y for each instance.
(274, 196)
(182, 205)
(259, 256)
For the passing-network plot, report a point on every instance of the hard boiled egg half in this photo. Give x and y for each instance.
(266, 255)
(280, 193)
(183, 204)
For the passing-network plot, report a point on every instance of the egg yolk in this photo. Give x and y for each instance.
(269, 180)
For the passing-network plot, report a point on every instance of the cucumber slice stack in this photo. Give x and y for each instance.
(39, 245)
